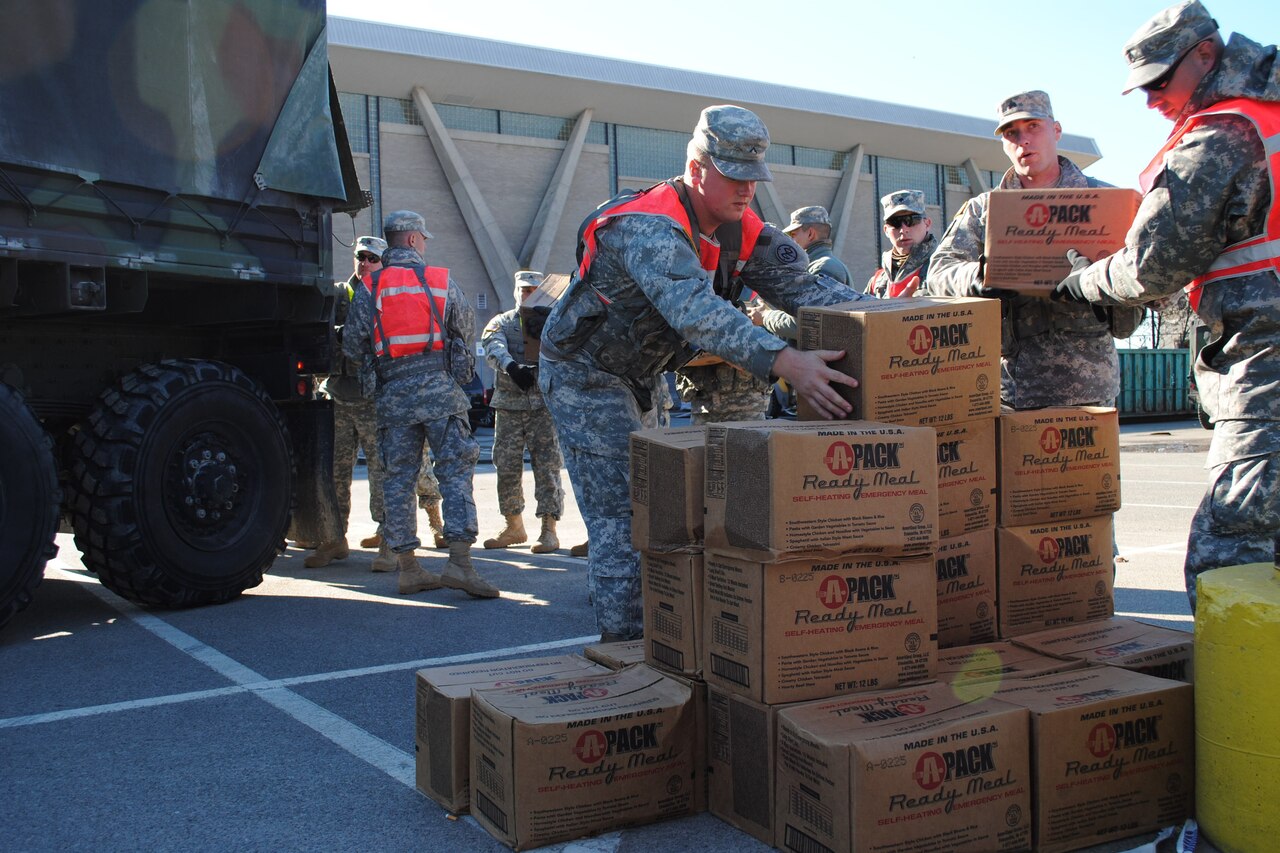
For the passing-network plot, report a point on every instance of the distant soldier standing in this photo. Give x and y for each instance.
(1051, 353)
(420, 330)
(1209, 224)
(521, 421)
(904, 268)
(644, 298)
(810, 227)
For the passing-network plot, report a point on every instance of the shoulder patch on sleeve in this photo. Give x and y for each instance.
(785, 253)
(494, 325)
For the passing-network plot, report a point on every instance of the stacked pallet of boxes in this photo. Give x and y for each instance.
(933, 362)
(1059, 485)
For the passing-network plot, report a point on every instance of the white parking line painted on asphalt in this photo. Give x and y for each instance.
(1168, 617)
(1128, 505)
(1171, 548)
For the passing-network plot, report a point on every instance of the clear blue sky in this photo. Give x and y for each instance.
(977, 52)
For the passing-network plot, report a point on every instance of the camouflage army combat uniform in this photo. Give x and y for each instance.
(522, 420)
(415, 410)
(717, 393)
(598, 364)
(1052, 353)
(1209, 191)
(916, 263)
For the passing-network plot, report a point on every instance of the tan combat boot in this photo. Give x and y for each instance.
(414, 578)
(371, 541)
(437, 523)
(327, 553)
(460, 574)
(386, 559)
(547, 541)
(580, 550)
(512, 534)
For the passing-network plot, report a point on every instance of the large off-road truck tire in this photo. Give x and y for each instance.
(180, 484)
(29, 499)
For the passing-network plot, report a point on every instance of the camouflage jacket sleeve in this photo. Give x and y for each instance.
(777, 271)
(953, 269)
(357, 333)
(460, 317)
(780, 323)
(494, 339)
(1212, 192)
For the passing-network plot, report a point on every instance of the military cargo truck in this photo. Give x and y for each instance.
(167, 176)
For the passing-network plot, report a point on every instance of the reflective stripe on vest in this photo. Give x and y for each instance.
(404, 312)
(663, 200)
(1255, 254)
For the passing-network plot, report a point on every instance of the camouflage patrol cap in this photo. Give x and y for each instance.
(528, 278)
(1162, 41)
(372, 245)
(813, 215)
(405, 220)
(1024, 105)
(735, 139)
(902, 201)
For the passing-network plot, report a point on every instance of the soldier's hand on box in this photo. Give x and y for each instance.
(811, 378)
(1070, 287)
(522, 375)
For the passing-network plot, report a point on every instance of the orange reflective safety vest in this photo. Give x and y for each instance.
(409, 304)
(1257, 253)
(664, 200)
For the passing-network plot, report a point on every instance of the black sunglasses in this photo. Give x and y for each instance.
(1162, 82)
(368, 258)
(908, 221)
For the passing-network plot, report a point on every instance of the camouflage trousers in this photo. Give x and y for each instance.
(1238, 520)
(722, 393)
(355, 426)
(456, 452)
(513, 431)
(595, 415)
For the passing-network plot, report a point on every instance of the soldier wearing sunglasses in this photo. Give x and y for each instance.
(904, 268)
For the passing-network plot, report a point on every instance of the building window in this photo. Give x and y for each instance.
(535, 126)
(455, 117)
(398, 111)
(482, 301)
(820, 158)
(957, 175)
(353, 115)
(908, 175)
(649, 154)
(598, 133)
(783, 155)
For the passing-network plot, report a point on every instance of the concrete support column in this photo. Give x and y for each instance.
(842, 208)
(977, 181)
(499, 261)
(771, 209)
(536, 250)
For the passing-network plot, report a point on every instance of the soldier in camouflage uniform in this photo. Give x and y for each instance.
(717, 393)
(905, 267)
(810, 227)
(1052, 354)
(641, 303)
(421, 365)
(1209, 224)
(521, 421)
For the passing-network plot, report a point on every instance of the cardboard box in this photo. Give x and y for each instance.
(1123, 642)
(977, 671)
(966, 571)
(667, 467)
(671, 585)
(564, 760)
(701, 764)
(1030, 231)
(913, 770)
(1059, 463)
(1052, 575)
(808, 629)
(539, 303)
(443, 720)
(967, 476)
(1111, 754)
(782, 489)
(922, 361)
(615, 655)
(741, 756)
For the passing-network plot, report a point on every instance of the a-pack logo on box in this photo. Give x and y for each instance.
(837, 593)
(1055, 551)
(1054, 440)
(934, 768)
(922, 340)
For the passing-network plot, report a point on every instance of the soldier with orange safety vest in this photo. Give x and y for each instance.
(904, 268)
(1209, 224)
(658, 273)
(413, 326)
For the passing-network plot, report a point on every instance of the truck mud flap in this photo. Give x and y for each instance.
(315, 509)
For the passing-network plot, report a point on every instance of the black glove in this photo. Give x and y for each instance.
(523, 375)
(1069, 288)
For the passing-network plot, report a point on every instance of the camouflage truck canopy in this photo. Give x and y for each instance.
(172, 96)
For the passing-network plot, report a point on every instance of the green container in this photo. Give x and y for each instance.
(1154, 382)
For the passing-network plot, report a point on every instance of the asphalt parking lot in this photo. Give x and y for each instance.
(284, 720)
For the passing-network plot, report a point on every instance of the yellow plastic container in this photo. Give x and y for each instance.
(1237, 652)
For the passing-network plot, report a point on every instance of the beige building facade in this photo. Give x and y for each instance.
(506, 148)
